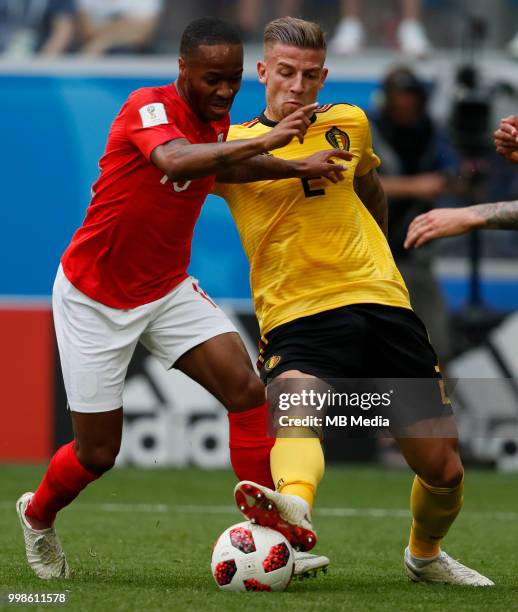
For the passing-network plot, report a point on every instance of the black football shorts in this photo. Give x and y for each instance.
(363, 348)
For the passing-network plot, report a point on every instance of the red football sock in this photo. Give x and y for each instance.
(64, 479)
(250, 445)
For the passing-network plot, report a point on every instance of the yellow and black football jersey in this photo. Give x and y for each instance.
(312, 245)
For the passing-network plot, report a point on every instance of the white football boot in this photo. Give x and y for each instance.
(308, 565)
(412, 39)
(348, 38)
(443, 569)
(288, 514)
(44, 552)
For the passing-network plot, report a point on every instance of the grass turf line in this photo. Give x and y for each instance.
(155, 554)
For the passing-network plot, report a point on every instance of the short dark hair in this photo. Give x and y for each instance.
(295, 33)
(207, 31)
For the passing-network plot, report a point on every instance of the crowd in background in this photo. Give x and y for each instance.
(96, 27)
(89, 27)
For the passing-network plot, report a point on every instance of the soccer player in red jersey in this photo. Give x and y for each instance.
(123, 278)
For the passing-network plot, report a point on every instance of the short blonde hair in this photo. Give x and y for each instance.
(294, 32)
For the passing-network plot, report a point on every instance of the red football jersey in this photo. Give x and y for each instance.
(135, 243)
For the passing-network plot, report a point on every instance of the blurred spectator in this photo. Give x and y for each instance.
(117, 26)
(350, 33)
(512, 47)
(417, 159)
(248, 16)
(36, 26)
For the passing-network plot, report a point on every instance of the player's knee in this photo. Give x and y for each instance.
(446, 473)
(97, 459)
(453, 472)
(249, 393)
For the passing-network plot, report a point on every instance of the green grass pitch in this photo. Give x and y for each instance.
(142, 540)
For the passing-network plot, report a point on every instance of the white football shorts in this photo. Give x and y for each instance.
(96, 342)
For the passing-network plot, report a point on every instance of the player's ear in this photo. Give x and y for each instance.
(181, 66)
(323, 77)
(261, 71)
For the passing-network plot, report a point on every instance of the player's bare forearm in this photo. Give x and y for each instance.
(182, 161)
(500, 215)
(370, 192)
(267, 167)
(444, 222)
(259, 168)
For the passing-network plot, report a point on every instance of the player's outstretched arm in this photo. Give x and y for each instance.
(182, 161)
(506, 138)
(444, 222)
(370, 192)
(267, 167)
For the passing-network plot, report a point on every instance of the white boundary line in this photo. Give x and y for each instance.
(224, 510)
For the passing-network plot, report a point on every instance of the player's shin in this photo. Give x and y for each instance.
(297, 465)
(250, 445)
(433, 509)
(64, 479)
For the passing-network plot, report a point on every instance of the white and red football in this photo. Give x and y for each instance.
(248, 557)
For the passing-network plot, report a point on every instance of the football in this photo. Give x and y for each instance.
(248, 557)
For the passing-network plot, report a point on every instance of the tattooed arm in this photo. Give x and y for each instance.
(501, 215)
(443, 222)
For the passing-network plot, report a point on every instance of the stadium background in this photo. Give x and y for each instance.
(56, 115)
(55, 125)
(140, 538)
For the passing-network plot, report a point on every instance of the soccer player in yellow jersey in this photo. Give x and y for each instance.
(332, 304)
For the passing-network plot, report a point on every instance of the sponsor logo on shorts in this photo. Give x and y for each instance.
(338, 139)
(272, 362)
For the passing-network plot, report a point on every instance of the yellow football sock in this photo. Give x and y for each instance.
(297, 466)
(433, 509)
